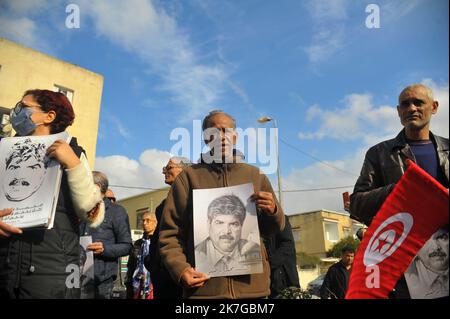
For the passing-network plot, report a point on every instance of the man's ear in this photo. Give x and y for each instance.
(435, 107)
(50, 117)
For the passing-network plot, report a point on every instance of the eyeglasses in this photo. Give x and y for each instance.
(168, 168)
(20, 106)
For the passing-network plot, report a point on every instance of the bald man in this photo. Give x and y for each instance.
(385, 162)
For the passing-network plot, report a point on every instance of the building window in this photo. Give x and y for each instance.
(67, 92)
(139, 213)
(5, 126)
(296, 234)
(331, 231)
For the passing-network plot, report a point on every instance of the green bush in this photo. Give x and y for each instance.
(294, 293)
(336, 250)
(305, 261)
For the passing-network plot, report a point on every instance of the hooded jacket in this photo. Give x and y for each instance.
(177, 233)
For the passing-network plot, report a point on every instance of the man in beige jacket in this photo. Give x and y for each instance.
(218, 168)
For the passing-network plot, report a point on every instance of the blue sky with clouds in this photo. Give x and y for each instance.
(331, 82)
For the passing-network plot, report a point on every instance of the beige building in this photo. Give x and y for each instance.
(316, 232)
(137, 205)
(22, 68)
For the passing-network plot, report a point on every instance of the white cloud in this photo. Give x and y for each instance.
(392, 11)
(145, 29)
(26, 6)
(17, 24)
(240, 92)
(356, 120)
(321, 176)
(21, 30)
(440, 121)
(119, 127)
(123, 171)
(361, 119)
(328, 19)
(327, 10)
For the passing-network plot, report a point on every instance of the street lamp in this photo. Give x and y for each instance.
(266, 119)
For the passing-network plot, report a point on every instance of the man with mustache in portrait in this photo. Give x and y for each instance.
(224, 249)
(427, 276)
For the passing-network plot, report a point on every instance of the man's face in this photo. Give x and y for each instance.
(171, 171)
(415, 108)
(149, 223)
(434, 253)
(347, 258)
(225, 232)
(224, 135)
(23, 178)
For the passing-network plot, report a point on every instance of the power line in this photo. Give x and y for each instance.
(315, 189)
(284, 191)
(317, 159)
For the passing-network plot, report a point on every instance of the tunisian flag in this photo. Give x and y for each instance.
(416, 208)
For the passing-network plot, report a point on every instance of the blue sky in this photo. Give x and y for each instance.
(331, 82)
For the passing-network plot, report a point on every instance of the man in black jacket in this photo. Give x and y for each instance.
(385, 162)
(336, 280)
(111, 240)
(283, 260)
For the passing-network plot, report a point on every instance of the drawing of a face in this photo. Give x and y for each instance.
(225, 232)
(226, 216)
(434, 253)
(25, 170)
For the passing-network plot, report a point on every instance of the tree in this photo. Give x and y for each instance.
(336, 250)
(305, 261)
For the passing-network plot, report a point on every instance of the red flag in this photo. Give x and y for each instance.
(416, 208)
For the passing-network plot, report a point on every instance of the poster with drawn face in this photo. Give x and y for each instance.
(427, 275)
(29, 179)
(86, 268)
(226, 233)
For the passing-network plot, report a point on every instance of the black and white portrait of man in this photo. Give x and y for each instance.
(26, 167)
(226, 251)
(427, 276)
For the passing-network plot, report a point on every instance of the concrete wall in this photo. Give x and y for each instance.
(311, 233)
(23, 68)
(137, 203)
(307, 275)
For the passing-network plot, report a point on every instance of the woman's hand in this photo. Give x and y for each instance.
(64, 154)
(5, 229)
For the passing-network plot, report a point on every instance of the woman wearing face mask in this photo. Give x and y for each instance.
(43, 263)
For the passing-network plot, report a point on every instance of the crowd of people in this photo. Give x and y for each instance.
(161, 265)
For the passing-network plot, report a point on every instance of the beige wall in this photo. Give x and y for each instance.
(138, 202)
(23, 68)
(312, 230)
(311, 233)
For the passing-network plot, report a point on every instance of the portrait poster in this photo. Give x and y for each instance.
(30, 180)
(226, 233)
(86, 268)
(427, 275)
